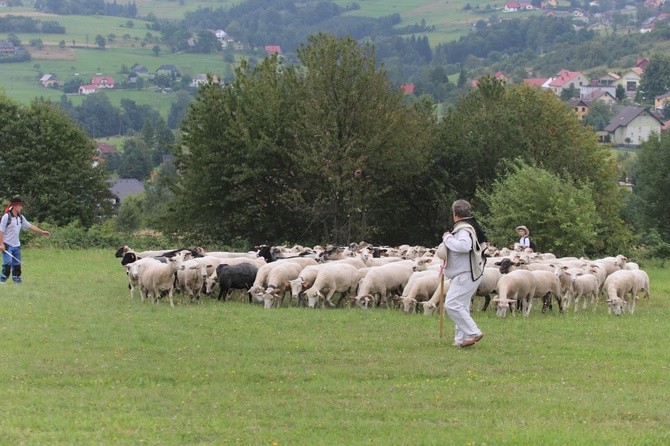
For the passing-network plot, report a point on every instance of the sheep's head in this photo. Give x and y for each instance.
(507, 265)
(364, 301)
(421, 264)
(429, 308)
(502, 306)
(408, 304)
(615, 305)
(297, 285)
(314, 297)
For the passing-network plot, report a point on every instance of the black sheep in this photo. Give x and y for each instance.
(235, 277)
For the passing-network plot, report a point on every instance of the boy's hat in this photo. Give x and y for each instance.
(523, 228)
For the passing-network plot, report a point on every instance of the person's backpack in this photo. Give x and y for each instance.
(532, 244)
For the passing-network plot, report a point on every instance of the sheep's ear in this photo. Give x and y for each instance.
(497, 264)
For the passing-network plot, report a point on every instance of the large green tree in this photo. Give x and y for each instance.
(496, 123)
(321, 153)
(652, 184)
(655, 80)
(48, 159)
(360, 148)
(233, 162)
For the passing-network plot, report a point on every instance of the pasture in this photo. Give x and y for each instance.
(82, 363)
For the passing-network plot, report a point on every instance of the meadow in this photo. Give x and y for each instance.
(82, 363)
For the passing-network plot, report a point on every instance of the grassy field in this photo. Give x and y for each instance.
(82, 363)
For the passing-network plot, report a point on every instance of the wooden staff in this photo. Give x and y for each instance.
(441, 278)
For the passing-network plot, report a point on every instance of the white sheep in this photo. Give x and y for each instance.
(381, 280)
(487, 285)
(584, 284)
(133, 273)
(278, 280)
(227, 254)
(546, 285)
(156, 278)
(617, 286)
(517, 285)
(305, 280)
(191, 278)
(433, 304)
(331, 279)
(419, 289)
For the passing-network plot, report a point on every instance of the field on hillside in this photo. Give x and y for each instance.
(82, 363)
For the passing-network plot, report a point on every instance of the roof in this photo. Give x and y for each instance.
(564, 77)
(125, 187)
(662, 96)
(595, 95)
(535, 81)
(627, 115)
(407, 88)
(105, 148)
(100, 79)
(275, 49)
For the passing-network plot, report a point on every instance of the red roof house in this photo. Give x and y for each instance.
(407, 88)
(103, 81)
(273, 49)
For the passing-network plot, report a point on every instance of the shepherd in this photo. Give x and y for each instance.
(11, 224)
(464, 266)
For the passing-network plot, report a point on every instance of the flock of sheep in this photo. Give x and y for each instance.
(363, 275)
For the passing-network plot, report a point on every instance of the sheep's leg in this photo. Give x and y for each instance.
(329, 296)
(487, 301)
(527, 305)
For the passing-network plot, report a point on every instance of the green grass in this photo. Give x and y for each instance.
(82, 363)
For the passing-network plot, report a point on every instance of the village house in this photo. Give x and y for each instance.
(661, 100)
(566, 79)
(273, 49)
(407, 88)
(48, 80)
(103, 81)
(168, 70)
(125, 187)
(88, 89)
(517, 6)
(633, 126)
(590, 92)
(630, 80)
(579, 106)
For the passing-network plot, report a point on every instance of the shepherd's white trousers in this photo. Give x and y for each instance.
(457, 304)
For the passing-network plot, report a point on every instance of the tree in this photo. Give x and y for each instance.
(620, 92)
(47, 159)
(569, 92)
(655, 80)
(310, 154)
(599, 116)
(496, 123)
(360, 144)
(156, 50)
(652, 183)
(135, 160)
(561, 214)
(100, 41)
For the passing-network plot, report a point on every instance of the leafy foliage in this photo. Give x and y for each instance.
(655, 80)
(305, 155)
(495, 123)
(48, 160)
(652, 183)
(562, 216)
